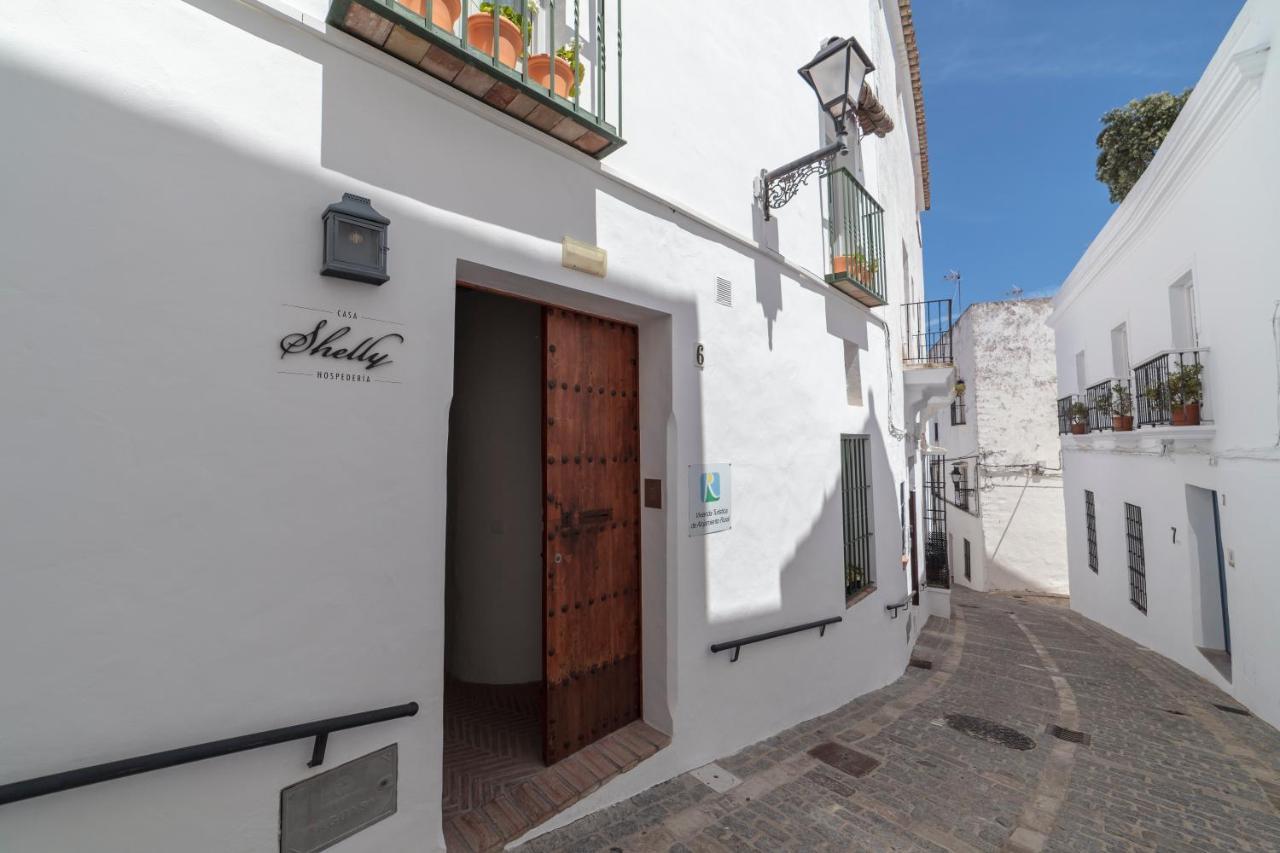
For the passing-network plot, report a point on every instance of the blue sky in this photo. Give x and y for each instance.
(1013, 90)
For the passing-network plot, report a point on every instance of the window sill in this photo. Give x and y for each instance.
(850, 600)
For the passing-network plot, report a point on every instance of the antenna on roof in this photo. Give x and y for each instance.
(1016, 293)
(954, 276)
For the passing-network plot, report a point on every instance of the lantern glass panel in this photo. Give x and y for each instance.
(358, 244)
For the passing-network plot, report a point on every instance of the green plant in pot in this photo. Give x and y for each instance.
(1186, 391)
(1079, 414)
(569, 53)
(1119, 405)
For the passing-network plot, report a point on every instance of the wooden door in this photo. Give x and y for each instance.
(591, 577)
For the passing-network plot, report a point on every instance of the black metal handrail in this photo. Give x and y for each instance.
(737, 645)
(41, 785)
(896, 606)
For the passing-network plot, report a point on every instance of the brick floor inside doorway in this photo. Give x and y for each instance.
(492, 741)
(496, 787)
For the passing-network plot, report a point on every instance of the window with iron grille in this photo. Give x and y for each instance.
(1137, 557)
(1091, 530)
(963, 492)
(967, 574)
(957, 411)
(856, 494)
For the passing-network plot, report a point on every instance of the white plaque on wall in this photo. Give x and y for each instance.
(709, 499)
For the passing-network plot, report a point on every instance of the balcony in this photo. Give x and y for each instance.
(855, 239)
(929, 373)
(551, 68)
(1166, 398)
(1170, 389)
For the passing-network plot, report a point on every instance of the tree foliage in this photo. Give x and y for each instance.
(1130, 137)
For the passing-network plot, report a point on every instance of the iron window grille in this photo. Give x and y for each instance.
(937, 571)
(1064, 412)
(967, 573)
(856, 503)
(957, 412)
(928, 333)
(1137, 557)
(964, 493)
(1091, 530)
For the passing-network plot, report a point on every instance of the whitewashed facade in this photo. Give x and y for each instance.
(1005, 525)
(1186, 267)
(205, 539)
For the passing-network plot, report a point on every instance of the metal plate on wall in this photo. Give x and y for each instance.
(319, 812)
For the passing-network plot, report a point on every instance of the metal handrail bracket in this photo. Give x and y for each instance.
(894, 608)
(737, 645)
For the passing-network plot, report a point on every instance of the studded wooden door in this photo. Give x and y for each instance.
(591, 577)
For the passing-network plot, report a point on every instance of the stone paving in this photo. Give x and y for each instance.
(1160, 767)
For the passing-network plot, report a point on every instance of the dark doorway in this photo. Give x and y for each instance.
(542, 610)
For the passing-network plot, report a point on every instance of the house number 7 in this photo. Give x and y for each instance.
(698, 356)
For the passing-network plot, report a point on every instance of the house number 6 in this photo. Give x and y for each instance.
(699, 357)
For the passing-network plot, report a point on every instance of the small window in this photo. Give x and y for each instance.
(963, 492)
(935, 432)
(855, 477)
(1137, 557)
(1080, 374)
(1091, 530)
(968, 575)
(957, 411)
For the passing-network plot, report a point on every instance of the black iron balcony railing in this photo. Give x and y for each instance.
(1065, 414)
(555, 65)
(1098, 399)
(928, 333)
(855, 239)
(967, 499)
(1170, 388)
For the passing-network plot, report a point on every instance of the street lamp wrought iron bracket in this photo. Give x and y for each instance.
(774, 189)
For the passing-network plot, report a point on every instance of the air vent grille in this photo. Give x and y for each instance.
(724, 292)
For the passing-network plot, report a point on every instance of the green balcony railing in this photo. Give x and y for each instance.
(855, 239)
(553, 64)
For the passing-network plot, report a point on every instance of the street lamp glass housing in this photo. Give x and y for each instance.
(956, 475)
(836, 74)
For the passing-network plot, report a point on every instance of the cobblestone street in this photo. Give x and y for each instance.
(1157, 766)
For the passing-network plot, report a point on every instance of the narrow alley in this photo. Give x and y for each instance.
(959, 754)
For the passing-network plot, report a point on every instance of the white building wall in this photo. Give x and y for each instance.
(1206, 206)
(198, 546)
(1005, 353)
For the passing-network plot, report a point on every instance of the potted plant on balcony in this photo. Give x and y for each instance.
(1185, 392)
(1079, 414)
(444, 13)
(856, 266)
(568, 70)
(1119, 405)
(512, 30)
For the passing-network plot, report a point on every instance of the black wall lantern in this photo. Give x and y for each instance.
(836, 74)
(956, 476)
(355, 241)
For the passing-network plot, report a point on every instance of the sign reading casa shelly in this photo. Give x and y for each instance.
(345, 355)
(709, 499)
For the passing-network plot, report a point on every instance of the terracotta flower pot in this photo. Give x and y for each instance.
(1079, 429)
(444, 13)
(1122, 423)
(539, 68)
(1187, 415)
(1178, 416)
(852, 267)
(480, 36)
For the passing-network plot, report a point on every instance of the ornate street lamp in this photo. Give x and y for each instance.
(355, 241)
(956, 477)
(836, 74)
